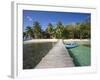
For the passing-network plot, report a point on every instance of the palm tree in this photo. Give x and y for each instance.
(49, 30)
(24, 36)
(37, 30)
(29, 32)
(59, 30)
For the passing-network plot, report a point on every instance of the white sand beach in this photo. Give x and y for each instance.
(55, 40)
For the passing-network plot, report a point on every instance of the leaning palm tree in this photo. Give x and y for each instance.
(29, 32)
(24, 36)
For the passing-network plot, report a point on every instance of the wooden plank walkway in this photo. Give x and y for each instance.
(57, 57)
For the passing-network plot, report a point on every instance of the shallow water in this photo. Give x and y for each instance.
(81, 55)
(34, 52)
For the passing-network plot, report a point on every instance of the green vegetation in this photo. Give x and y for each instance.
(71, 31)
(37, 30)
(81, 55)
(33, 53)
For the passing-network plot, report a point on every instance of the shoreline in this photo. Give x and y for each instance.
(53, 40)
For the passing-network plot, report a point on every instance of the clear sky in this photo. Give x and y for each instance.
(45, 17)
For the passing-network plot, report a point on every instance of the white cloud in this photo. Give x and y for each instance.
(29, 18)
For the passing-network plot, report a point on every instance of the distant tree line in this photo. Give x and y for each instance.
(80, 30)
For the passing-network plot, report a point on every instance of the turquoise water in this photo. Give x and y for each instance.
(81, 55)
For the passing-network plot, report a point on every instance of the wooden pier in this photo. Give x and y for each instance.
(57, 57)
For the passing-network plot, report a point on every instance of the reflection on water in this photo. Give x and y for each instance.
(34, 52)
